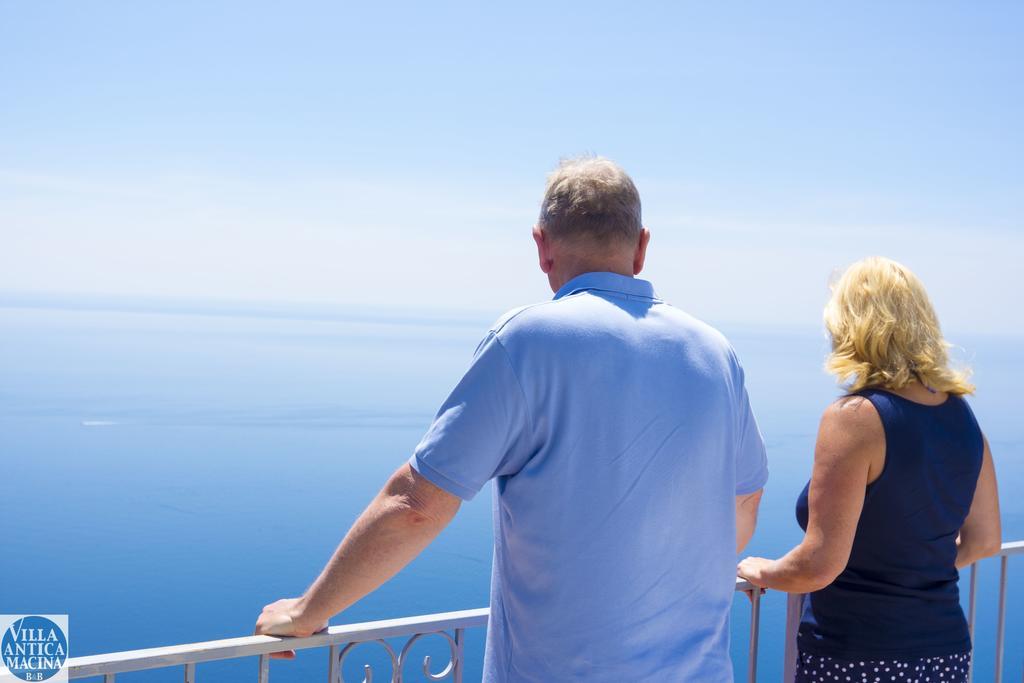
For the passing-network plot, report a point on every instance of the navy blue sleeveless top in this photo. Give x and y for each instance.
(898, 596)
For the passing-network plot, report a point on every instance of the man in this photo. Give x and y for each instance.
(627, 465)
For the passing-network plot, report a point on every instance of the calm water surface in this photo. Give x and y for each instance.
(165, 474)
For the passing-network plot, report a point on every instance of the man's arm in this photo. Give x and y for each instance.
(402, 520)
(746, 518)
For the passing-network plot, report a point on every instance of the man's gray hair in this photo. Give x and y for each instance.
(591, 199)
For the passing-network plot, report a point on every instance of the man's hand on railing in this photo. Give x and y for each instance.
(284, 618)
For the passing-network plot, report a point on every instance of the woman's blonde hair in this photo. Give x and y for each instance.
(885, 333)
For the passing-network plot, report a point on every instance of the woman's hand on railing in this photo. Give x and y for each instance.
(752, 569)
(285, 618)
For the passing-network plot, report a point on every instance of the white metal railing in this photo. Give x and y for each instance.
(340, 640)
(450, 627)
(1013, 548)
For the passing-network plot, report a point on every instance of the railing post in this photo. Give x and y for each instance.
(108, 678)
(972, 612)
(190, 673)
(263, 673)
(755, 629)
(333, 670)
(1001, 625)
(460, 646)
(794, 608)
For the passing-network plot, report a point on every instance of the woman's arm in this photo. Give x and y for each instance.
(981, 535)
(850, 448)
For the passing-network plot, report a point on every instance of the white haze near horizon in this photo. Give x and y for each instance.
(443, 246)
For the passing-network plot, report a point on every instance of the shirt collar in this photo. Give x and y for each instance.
(609, 282)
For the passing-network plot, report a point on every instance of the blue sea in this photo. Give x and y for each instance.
(169, 468)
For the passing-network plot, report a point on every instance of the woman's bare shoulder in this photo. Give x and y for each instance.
(852, 421)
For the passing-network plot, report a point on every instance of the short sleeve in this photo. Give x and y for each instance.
(482, 429)
(751, 456)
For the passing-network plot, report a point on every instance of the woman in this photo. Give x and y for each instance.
(901, 496)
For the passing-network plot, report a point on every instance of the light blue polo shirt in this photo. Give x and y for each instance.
(618, 432)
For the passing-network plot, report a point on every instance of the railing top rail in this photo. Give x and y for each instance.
(1012, 548)
(230, 648)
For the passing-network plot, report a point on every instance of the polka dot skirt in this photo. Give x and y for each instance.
(948, 669)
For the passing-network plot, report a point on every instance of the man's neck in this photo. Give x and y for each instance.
(564, 275)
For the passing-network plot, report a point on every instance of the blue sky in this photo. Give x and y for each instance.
(388, 154)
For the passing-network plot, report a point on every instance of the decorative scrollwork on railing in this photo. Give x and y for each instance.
(396, 671)
(399, 661)
(447, 672)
